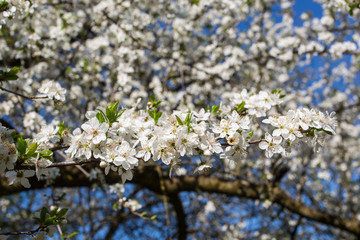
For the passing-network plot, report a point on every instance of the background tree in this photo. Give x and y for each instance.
(225, 114)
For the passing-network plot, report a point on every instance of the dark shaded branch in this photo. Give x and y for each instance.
(40, 228)
(72, 177)
(6, 124)
(180, 216)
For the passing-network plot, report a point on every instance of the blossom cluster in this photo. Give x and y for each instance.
(293, 126)
(13, 8)
(8, 158)
(8, 152)
(53, 90)
(140, 135)
(120, 139)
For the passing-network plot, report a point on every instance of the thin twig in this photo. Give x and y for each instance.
(23, 233)
(22, 95)
(77, 166)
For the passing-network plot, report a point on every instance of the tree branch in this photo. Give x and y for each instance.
(71, 177)
(180, 216)
(22, 95)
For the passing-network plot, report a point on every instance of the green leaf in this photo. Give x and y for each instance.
(323, 130)
(72, 235)
(311, 133)
(241, 107)
(3, 5)
(47, 154)
(154, 103)
(328, 132)
(196, 2)
(43, 213)
(61, 213)
(50, 221)
(153, 217)
(111, 114)
(21, 145)
(158, 115)
(14, 71)
(53, 212)
(85, 64)
(155, 115)
(188, 118)
(215, 108)
(120, 113)
(152, 98)
(100, 117)
(63, 195)
(152, 114)
(68, 70)
(250, 135)
(11, 75)
(179, 120)
(115, 206)
(113, 107)
(31, 150)
(62, 127)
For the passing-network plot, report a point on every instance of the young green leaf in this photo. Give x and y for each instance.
(154, 103)
(43, 213)
(71, 235)
(250, 135)
(120, 113)
(111, 112)
(31, 149)
(179, 120)
(100, 117)
(61, 213)
(3, 5)
(115, 206)
(11, 75)
(50, 221)
(215, 108)
(155, 115)
(21, 146)
(158, 115)
(53, 212)
(152, 98)
(241, 107)
(62, 127)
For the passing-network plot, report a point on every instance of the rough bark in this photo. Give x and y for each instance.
(147, 177)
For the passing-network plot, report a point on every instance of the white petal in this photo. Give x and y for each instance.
(28, 173)
(25, 182)
(263, 145)
(277, 140)
(276, 132)
(10, 174)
